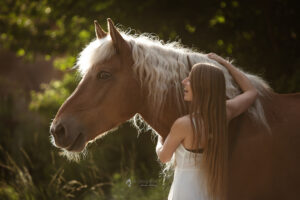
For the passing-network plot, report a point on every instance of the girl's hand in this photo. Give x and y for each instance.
(217, 58)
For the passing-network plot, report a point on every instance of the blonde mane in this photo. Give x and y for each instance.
(160, 67)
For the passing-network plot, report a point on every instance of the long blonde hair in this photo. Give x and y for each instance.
(208, 109)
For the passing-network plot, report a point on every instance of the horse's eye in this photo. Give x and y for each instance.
(103, 75)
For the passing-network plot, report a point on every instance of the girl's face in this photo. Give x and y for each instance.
(188, 95)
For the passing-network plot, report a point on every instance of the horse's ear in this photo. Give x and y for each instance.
(116, 37)
(100, 33)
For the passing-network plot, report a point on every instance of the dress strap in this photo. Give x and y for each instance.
(198, 151)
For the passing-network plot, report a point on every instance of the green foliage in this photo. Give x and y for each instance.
(64, 63)
(9, 193)
(53, 95)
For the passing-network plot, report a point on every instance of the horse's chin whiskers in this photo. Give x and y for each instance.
(73, 156)
(53, 141)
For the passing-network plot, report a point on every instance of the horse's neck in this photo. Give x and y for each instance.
(161, 124)
(172, 110)
(283, 109)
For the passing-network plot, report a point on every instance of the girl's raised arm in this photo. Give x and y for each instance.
(242, 102)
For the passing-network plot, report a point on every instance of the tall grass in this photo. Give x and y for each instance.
(110, 171)
(17, 184)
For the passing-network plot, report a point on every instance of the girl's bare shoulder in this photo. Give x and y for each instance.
(184, 122)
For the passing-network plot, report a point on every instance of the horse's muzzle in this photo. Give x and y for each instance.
(66, 136)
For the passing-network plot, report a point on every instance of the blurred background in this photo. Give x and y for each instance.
(39, 43)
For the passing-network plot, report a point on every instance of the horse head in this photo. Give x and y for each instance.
(107, 95)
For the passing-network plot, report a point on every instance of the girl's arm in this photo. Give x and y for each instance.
(165, 149)
(242, 102)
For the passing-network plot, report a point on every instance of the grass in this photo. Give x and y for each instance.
(109, 172)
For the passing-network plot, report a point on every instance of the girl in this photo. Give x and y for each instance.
(200, 139)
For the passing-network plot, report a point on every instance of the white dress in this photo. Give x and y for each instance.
(189, 180)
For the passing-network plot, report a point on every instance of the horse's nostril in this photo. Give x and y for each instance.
(58, 131)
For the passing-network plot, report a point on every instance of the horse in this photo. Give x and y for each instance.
(125, 76)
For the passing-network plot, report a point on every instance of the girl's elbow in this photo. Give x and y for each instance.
(163, 159)
(253, 94)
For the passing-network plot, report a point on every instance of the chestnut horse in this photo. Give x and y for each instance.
(124, 75)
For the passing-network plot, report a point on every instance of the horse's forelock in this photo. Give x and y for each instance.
(95, 52)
